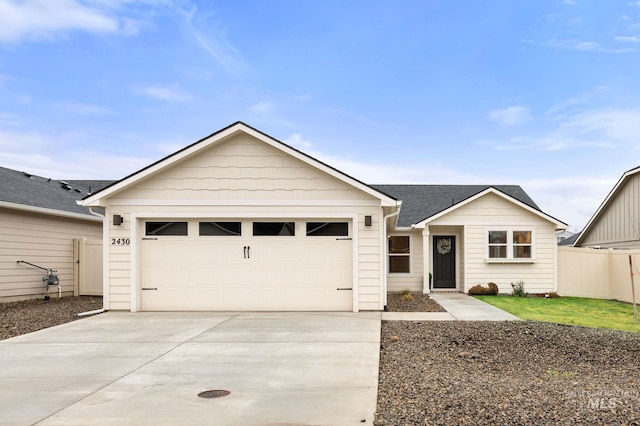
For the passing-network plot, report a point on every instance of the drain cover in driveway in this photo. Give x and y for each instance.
(217, 393)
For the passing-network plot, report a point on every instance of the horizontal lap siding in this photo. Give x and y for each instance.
(492, 211)
(369, 271)
(43, 240)
(259, 177)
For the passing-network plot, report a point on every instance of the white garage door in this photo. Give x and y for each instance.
(256, 265)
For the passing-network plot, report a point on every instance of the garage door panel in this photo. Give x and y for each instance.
(272, 273)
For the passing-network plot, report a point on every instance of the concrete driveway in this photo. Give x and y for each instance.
(148, 368)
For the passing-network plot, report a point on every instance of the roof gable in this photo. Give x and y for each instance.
(218, 138)
(422, 204)
(605, 204)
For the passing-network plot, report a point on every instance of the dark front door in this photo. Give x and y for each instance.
(444, 262)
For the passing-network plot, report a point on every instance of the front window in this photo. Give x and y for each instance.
(399, 254)
(509, 244)
(522, 244)
(497, 244)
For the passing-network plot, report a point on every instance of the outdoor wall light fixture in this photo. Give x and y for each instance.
(117, 220)
(367, 220)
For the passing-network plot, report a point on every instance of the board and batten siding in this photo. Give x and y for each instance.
(43, 240)
(618, 226)
(492, 212)
(243, 177)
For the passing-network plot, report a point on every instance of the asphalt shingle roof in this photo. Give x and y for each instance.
(420, 202)
(30, 190)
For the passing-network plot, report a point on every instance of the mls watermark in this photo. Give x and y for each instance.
(604, 400)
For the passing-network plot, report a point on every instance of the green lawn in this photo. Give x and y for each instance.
(568, 310)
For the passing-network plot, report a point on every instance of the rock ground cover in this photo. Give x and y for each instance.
(510, 372)
(418, 303)
(23, 317)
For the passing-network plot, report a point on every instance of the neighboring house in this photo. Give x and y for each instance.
(569, 242)
(563, 235)
(39, 220)
(241, 221)
(616, 223)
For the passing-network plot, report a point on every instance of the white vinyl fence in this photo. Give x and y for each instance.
(88, 267)
(600, 274)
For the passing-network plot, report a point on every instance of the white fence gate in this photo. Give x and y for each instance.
(88, 267)
(599, 274)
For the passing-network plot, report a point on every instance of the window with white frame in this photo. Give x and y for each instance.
(510, 244)
(399, 254)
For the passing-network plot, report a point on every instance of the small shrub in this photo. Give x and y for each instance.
(478, 290)
(518, 289)
(406, 296)
(493, 289)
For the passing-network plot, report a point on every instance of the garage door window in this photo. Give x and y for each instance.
(166, 228)
(331, 229)
(220, 228)
(274, 228)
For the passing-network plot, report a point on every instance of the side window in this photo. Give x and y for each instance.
(166, 228)
(497, 244)
(522, 244)
(220, 228)
(332, 229)
(399, 254)
(274, 228)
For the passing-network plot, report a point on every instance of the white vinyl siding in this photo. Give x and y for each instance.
(494, 212)
(245, 177)
(43, 240)
(412, 280)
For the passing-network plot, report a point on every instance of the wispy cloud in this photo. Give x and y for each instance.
(297, 141)
(511, 116)
(82, 108)
(628, 39)
(585, 46)
(262, 107)
(595, 128)
(214, 42)
(45, 20)
(163, 93)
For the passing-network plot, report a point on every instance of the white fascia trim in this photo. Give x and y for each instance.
(248, 202)
(605, 203)
(519, 203)
(135, 279)
(50, 212)
(225, 134)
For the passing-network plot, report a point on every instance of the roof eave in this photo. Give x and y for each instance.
(50, 212)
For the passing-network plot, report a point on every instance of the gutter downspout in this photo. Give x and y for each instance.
(386, 249)
(96, 213)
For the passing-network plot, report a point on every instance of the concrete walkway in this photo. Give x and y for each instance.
(121, 368)
(459, 306)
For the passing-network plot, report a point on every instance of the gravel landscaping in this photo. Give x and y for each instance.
(418, 303)
(511, 372)
(18, 318)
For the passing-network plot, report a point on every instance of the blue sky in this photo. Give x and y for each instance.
(540, 93)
